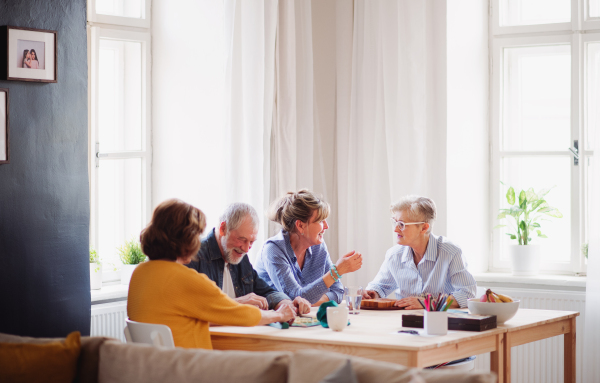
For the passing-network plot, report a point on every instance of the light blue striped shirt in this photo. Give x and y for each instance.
(278, 266)
(442, 270)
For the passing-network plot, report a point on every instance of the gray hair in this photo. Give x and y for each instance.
(419, 208)
(235, 214)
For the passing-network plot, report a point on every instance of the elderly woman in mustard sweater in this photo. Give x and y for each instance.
(164, 291)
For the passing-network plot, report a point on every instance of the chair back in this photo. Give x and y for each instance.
(149, 333)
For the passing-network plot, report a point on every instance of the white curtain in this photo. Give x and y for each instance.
(270, 119)
(390, 127)
(293, 138)
(591, 335)
(250, 29)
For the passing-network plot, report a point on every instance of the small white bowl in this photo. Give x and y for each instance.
(503, 311)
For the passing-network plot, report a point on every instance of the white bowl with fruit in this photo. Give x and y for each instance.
(490, 303)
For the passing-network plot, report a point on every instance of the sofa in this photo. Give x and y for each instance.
(107, 360)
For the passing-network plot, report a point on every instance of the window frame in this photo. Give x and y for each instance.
(97, 31)
(577, 34)
(143, 22)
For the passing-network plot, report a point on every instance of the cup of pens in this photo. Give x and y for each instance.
(436, 314)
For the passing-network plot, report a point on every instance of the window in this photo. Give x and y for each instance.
(120, 149)
(546, 86)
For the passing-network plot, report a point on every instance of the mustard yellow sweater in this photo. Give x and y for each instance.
(165, 292)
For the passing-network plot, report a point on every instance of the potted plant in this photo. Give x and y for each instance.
(527, 214)
(131, 255)
(95, 270)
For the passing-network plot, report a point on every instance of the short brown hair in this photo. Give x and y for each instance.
(297, 206)
(174, 231)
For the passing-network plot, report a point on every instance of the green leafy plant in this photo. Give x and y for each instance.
(95, 258)
(584, 249)
(530, 209)
(131, 253)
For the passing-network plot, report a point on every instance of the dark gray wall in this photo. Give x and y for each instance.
(44, 199)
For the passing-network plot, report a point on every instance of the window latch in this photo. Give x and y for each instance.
(99, 155)
(575, 152)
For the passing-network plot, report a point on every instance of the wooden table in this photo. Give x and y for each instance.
(531, 325)
(374, 335)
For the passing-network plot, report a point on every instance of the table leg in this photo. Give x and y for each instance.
(507, 355)
(497, 358)
(570, 353)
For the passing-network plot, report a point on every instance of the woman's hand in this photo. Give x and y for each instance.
(410, 303)
(286, 314)
(349, 263)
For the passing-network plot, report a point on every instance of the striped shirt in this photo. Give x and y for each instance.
(278, 266)
(442, 270)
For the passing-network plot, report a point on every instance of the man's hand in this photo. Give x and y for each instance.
(370, 294)
(254, 300)
(410, 303)
(302, 305)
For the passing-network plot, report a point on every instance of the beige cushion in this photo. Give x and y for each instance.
(87, 365)
(131, 362)
(311, 366)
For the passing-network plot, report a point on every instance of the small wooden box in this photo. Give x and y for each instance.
(457, 320)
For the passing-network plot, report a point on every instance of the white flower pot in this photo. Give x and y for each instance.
(95, 276)
(126, 272)
(525, 259)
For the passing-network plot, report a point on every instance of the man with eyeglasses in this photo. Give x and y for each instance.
(421, 263)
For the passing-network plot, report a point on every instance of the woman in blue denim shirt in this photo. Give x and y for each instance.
(296, 261)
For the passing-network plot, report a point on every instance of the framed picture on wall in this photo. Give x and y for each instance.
(31, 54)
(4, 153)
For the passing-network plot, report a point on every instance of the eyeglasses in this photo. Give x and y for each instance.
(401, 224)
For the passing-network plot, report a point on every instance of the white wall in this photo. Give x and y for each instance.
(468, 133)
(187, 98)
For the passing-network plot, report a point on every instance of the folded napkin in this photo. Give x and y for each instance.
(322, 313)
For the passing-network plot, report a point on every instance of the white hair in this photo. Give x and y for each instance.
(418, 208)
(235, 214)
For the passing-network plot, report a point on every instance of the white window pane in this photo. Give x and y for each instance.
(120, 95)
(539, 173)
(592, 89)
(533, 12)
(536, 103)
(119, 205)
(594, 8)
(123, 8)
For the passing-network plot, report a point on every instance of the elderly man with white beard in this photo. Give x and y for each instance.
(223, 258)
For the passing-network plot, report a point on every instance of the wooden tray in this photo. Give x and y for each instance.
(382, 308)
(379, 304)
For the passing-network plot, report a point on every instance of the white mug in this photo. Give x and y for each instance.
(337, 318)
(436, 322)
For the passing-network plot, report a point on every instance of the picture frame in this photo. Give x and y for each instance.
(31, 55)
(4, 136)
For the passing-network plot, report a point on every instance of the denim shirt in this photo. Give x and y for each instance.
(278, 266)
(244, 277)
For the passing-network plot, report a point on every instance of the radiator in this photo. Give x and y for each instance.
(542, 361)
(108, 319)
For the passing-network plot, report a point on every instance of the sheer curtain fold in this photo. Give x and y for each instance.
(270, 119)
(293, 137)
(591, 336)
(250, 30)
(386, 150)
